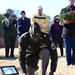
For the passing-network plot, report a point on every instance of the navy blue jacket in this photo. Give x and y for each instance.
(23, 25)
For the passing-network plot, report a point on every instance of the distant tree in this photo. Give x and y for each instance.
(2, 17)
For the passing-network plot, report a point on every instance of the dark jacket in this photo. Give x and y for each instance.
(68, 29)
(23, 25)
(56, 31)
(10, 28)
(28, 46)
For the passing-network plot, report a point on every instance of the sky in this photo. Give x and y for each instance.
(50, 7)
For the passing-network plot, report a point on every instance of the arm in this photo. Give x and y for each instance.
(65, 21)
(5, 25)
(18, 28)
(51, 30)
(32, 20)
(47, 22)
(22, 58)
(53, 54)
(14, 21)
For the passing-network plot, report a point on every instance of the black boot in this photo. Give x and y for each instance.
(51, 73)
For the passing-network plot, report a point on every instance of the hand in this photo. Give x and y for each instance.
(43, 46)
(6, 23)
(66, 21)
(61, 23)
(41, 26)
(24, 74)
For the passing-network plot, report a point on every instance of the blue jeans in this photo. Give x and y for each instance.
(69, 44)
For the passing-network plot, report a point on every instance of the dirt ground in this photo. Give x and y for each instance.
(62, 68)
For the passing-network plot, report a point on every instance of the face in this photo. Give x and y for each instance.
(39, 11)
(23, 15)
(57, 20)
(7, 15)
(35, 38)
(71, 2)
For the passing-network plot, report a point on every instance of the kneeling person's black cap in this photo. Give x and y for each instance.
(35, 29)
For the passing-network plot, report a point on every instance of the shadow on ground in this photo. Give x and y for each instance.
(10, 58)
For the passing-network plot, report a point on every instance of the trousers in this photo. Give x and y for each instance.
(69, 44)
(44, 56)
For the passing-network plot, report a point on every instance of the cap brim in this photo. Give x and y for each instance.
(40, 9)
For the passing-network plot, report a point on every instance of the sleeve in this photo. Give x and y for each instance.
(32, 20)
(29, 23)
(51, 30)
(53, 54)
(18, 28)
(22, 58)
(14, 21)
(47, 22)
(5, 25)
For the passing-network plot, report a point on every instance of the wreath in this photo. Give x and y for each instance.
(69, 16)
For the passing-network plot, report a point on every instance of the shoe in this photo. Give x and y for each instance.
(6, 56)
(51, 73)
(11, 55)
(61, 55)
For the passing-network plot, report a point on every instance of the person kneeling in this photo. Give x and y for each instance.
(35, 45)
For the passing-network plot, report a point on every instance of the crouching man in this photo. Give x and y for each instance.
(35, 45)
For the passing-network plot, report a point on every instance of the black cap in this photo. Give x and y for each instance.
(22, 12)
(35, 29)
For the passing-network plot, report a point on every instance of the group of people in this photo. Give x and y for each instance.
(35, 43)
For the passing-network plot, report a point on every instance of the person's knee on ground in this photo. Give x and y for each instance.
(31, 71)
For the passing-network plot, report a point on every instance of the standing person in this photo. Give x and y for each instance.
(56, 31)
(41, 19)
(10, 34)
(35, 45)
(68, 34)
(23, 24)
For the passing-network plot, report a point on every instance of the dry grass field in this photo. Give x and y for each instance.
(62, 68)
